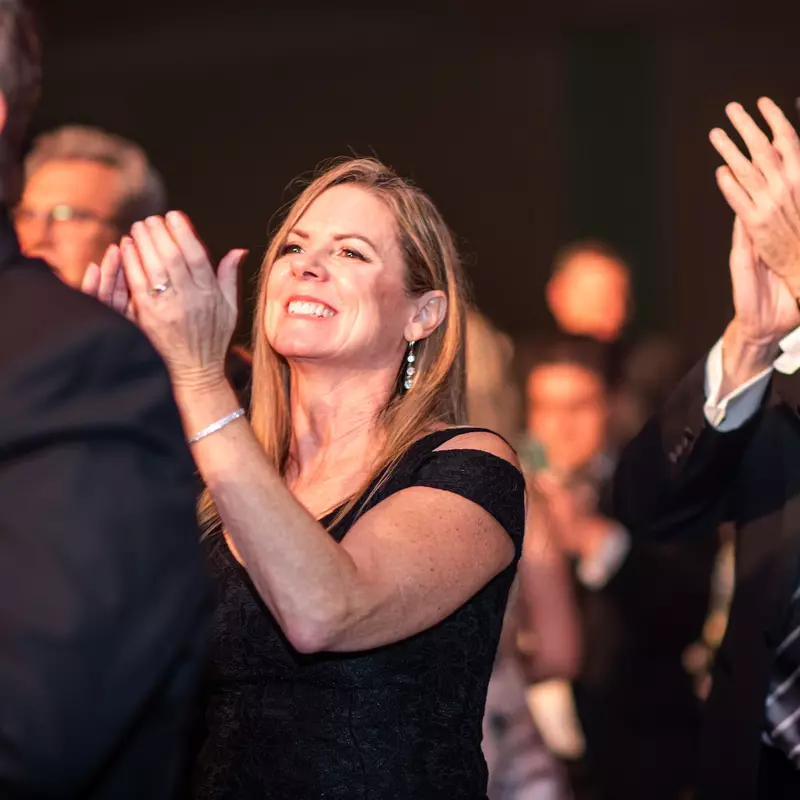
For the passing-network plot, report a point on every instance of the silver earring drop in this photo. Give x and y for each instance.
(411, 370)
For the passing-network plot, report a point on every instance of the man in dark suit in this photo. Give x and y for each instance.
(727, 444)
(103, 604)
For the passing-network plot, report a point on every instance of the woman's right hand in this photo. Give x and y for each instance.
(107, 283)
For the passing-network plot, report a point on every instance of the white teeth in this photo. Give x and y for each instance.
(307, 309)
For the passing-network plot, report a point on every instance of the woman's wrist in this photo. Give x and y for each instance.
(198, 380)
(203, 404)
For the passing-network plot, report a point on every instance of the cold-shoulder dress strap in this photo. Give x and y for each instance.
(493, 483)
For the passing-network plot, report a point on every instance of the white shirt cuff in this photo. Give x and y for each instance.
(597, 571)
(732, 411)
(788, 362)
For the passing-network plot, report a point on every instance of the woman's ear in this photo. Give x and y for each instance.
(429, 311)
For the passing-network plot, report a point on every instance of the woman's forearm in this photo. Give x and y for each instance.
(301, 573)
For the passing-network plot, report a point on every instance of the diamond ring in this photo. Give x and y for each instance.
(159, 289)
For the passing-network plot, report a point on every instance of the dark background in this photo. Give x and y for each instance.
(528, 124)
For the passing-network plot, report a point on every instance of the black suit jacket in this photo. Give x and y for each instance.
(680, 477)
(103, 596)
(635, 700)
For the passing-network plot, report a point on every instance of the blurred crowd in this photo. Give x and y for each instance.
(608, 643)
(598, 690)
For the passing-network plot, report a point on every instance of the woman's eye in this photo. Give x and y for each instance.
(348, 252)
(291, 248)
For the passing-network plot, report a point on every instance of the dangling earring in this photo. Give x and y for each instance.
(411, 370)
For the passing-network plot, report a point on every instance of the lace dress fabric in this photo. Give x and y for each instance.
(399, 721)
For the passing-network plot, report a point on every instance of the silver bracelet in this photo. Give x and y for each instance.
(217, 426)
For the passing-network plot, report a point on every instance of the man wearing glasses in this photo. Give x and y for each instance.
(84, 188)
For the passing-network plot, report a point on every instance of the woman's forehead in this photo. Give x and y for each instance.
(348, 208)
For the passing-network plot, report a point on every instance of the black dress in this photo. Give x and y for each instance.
(399, 721)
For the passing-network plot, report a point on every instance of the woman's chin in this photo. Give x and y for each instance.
(302, 351)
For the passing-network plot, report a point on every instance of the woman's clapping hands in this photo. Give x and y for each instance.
(161, 277)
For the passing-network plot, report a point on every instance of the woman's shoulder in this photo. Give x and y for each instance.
(459, 437)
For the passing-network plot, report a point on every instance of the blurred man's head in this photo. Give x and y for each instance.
(84, 188)
(567, 402)
(20, 71)
(589, 292)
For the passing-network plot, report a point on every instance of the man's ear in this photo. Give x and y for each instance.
(430, 309)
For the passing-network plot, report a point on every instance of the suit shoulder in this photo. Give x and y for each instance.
(39, 314)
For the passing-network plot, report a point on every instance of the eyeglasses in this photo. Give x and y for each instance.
(62, 215)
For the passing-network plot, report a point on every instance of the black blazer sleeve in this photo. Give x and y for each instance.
(102, 583)
(674, 478)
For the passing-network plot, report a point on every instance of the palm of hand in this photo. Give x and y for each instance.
(765, 307)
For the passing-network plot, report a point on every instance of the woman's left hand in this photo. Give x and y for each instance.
(186, 309)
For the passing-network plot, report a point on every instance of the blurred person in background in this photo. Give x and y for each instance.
(590, 294)
(541, 636)
(493, 398)
(83, 187)
(641, 606)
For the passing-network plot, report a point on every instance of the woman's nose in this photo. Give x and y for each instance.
(307, 266)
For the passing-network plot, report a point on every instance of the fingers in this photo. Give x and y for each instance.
(120, 296)
(194, 253)
(91, 280)
(163, 263)
(765, 157)
(750, 178)
(228, 274)
(110, 268)
(137, 278)
(786, 140)
(738, 199)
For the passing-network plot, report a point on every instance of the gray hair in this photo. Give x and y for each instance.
(144, 192)
(20, 72)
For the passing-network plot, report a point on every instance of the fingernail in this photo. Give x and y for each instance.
(173, 217)
(151, 221)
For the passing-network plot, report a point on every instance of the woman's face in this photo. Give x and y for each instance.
(336, 291)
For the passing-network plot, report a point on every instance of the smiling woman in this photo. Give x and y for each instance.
(363, 542)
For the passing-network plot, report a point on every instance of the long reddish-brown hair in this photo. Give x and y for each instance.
(432, 263)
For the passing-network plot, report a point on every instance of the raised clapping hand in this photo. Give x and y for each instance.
(162, 278)
(765, 308)
(764, 191)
